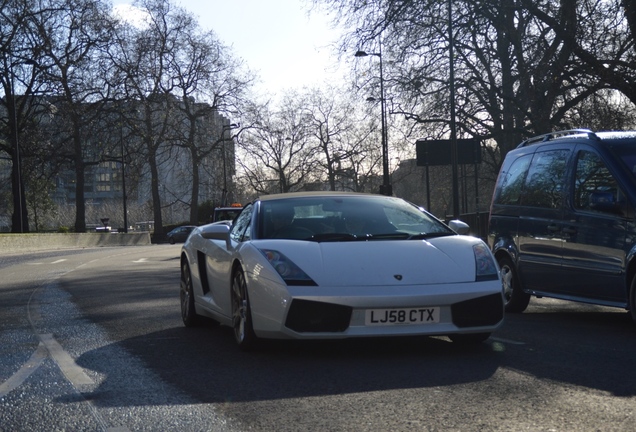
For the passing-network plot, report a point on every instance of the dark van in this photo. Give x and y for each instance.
(563, 222)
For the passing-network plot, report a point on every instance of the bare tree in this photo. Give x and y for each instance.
(20, 78)
(279, 155)
(74, 35)
(208, 81)
(602, 36)
(337, 130)
(515, 61)
(144, 59)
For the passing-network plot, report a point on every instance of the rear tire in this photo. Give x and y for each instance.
(242, 313)
(516, 301)
(188, 311)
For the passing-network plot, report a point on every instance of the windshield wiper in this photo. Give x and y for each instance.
(333, 237)
(421, 236)
(339, 237)
(384, 236)
(336, 237)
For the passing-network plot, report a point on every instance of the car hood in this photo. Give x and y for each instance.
(384, 262)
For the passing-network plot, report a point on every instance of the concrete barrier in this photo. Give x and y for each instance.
(19, 242)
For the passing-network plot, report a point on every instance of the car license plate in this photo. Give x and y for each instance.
(384, 317)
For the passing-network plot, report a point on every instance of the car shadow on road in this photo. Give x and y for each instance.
(586, 346)
(205, 363)
(583, 345)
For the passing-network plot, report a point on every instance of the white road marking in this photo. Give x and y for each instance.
(141, 260)
(53, 262)
(508, 341)
(70, 369)
(16, 380)
(48, 346)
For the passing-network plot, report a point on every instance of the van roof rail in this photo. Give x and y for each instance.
(553, 135)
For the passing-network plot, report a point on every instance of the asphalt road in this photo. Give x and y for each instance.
(92, 340)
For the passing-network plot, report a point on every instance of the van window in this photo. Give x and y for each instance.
(595, 189)
(545, 180)
(512, 181)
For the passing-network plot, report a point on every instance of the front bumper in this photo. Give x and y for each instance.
(318, 313)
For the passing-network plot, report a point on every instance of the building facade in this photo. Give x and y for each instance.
(116, 169)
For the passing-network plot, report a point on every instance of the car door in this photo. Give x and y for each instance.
(596, 223)
(219, 258)
(540, 239)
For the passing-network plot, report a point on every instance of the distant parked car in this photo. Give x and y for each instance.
(180, 234)
(337, 265)
(563, 219)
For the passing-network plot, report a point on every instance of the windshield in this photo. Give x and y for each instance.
(226, 213)
(626, 150)
(346, 218)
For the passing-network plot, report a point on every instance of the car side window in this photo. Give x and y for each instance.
(512, 181)
(595, 189)
(241, 228)
(545, 180)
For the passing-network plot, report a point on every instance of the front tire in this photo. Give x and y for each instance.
(632, 300)
(516, 301)
(242, 313)
(188, 312)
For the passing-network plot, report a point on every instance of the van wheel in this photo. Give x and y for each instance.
(515, 299)
(632, 300)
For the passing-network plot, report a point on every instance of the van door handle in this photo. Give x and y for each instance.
(553, 228)
(569, 230)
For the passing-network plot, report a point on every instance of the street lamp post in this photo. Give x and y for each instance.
(223, 139)
(385, 188)
(18, 161)
(18, 199)
(123, 179)
(453, 127)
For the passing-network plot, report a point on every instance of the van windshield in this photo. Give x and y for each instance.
(626, 151)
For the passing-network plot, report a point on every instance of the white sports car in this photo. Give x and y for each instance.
(336, 265)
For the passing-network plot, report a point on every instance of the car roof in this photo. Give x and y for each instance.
(578, 134)
(317, 194)
(181, 227)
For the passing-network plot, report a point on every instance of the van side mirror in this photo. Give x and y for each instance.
(604, 201)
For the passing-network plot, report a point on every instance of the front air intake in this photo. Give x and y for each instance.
(307, 316)
(477, 312)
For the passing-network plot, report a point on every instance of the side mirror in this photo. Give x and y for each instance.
(605, 201)
(216, 231)
(459, 227)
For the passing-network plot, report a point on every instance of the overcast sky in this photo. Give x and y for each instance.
(276, 38)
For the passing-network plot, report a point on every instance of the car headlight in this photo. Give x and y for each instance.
(485, 266)
(290, 272)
